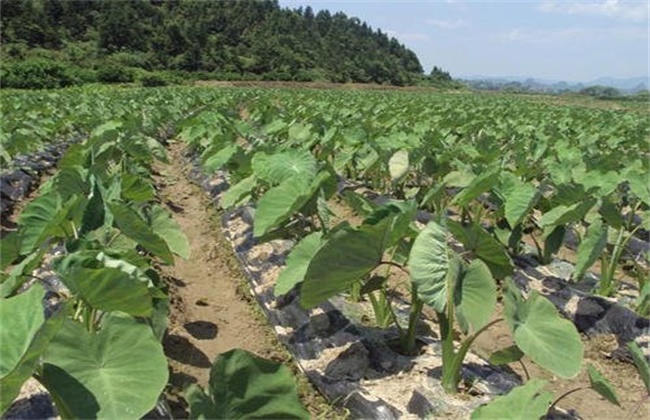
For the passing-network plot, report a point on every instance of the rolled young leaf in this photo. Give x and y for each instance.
(601, 385)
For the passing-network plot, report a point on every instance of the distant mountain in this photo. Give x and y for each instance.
(629, 85)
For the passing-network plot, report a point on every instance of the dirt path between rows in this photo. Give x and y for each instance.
(211, 307)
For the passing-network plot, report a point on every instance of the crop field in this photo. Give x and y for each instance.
(230, 252)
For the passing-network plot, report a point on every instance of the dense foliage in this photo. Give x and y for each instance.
(89, 246)
(490, 170)
(216, 39)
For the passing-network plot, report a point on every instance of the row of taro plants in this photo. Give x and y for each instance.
(517, 171)
(83, 308)
(289, 156)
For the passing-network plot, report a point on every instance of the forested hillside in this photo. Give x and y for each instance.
(68, 41)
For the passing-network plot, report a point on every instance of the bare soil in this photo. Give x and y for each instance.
(211, 307)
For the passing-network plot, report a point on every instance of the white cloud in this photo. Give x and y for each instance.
(447, 24)
(628, 10)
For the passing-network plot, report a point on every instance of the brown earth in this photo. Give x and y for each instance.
(212, 310)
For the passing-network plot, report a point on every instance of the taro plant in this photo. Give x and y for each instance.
(464, 294)
(99, 352)
(282, 180)
(596, 243)
(327, 264)
(532, 401)
(243, 385)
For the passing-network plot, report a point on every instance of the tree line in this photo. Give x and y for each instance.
(110, 40)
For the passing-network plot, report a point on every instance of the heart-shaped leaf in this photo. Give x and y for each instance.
(118, 372)
(110, 289)
(591, 248)
(166, 227)
(541, 332)
(347, 256)
(282, 166)
(523, 402)
(245, 386)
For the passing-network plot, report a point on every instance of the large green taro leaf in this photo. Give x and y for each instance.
(238, 191)
(94, 213)
(21, 272)
(243, 385)
(220, 158)
(166, 227)
(40, 219)
(9, 249)
(299, 133)
(429, 264)
(24, 334)
(70, 181)
(482, 183)
(638, 182)
(279, 203)
(562, 215)
(110, 289)
(523, 402)
(155, 148)
(116, 373)
(590, 248)
(539, 331)
(402, 214)
(279, 167)
(131, 225)
(298, 262)
(519, 201)
(347, 256)
(484, 246)
(136, 188)
(475, 296)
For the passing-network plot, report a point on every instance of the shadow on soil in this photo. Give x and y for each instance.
(182, 350)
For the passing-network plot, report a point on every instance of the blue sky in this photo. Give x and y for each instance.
(549, 39)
